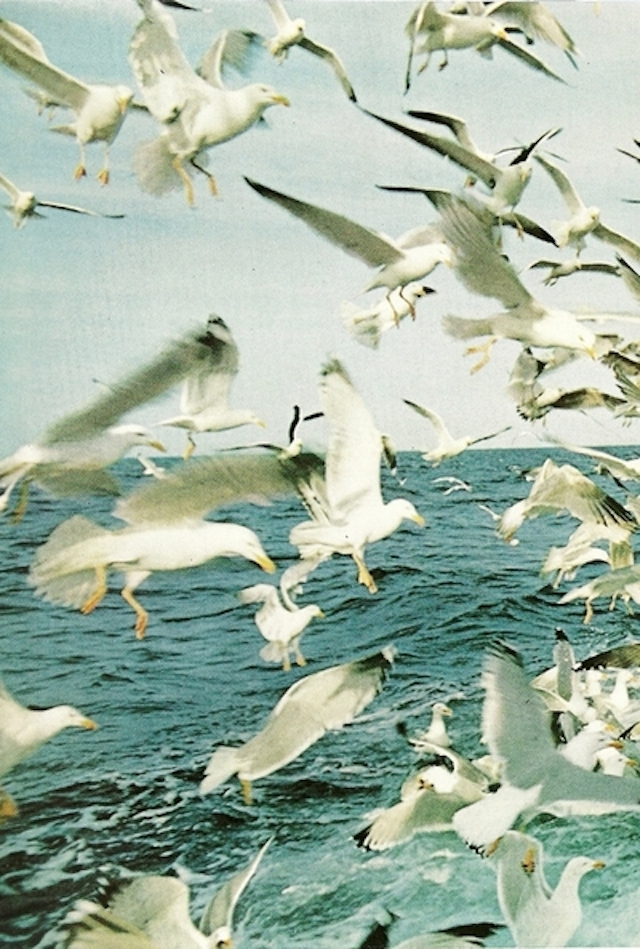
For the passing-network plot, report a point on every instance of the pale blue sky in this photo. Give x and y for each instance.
(87, 299)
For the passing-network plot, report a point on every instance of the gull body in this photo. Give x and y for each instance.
(99, 109)
(196, 110)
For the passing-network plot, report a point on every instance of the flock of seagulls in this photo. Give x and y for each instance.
(554, 744)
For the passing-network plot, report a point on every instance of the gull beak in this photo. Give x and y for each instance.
(502, 34)
(89, 723)
(260, 423)
(446, 710)
(419, 520)
(157, 445)
(266, 563)
(598, 865)
(591, 352)
(281, 100)
(123, 104)
(321, 614)
(617, 744)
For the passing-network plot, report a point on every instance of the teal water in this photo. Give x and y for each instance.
(125, 798)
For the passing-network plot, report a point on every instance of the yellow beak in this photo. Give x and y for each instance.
(266, 563)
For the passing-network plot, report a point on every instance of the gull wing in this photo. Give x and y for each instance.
(424, 810)
(626, 656)
(280, 16)
(563, 487)
(536, 21)
(369, 246)
(569, 194)
(521, 881)
(65, 483)
(193, 489)
(618, 467)
(156, 905)
(219, 912)
(209, 384)
(230, 48)
(24, 53)
(75, 209)
(352, 467)
(458, 126)
(320, 702)
(9, 187)
(436, 420)
(144, 384)
(623, 243)
(470, 160)
(529, 59)
(480, 266)
(332, 58)
(90, 925)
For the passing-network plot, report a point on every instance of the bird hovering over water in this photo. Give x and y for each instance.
(99, 109)
(448, 446)
(24, 205)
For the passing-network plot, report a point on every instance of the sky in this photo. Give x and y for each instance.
(87, 300)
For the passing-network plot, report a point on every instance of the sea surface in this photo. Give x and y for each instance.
(125, 799)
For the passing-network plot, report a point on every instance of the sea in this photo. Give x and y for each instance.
(123, 800)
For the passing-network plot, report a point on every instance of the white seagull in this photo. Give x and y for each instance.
(196, 110)
(317, 703)
(152, 912)
(99, 109)
(368, 325)
(23, 730)
(205, 395)
(24, 205)
(409, 258)
(537, 915)
(448, 446)
(292, 32)
(536, 776)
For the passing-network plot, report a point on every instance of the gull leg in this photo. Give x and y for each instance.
(99, 592)
(588, 615)
(189, 450)
(176, 164)
(81, 169)
(300, 660)
(286, 662)
(412, 309)
(213, 186)
(485, 349)
(364, 576)
(103, 174)
(445, 60)
(141, 613)
(8, 807)
(21, 506)
(246, 791)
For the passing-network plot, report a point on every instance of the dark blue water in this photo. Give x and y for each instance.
(126, 797)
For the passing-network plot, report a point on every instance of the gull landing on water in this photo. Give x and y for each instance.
(99, 109)
(447, 447)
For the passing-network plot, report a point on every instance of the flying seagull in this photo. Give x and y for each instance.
(24, 205)
(99, 109)
(321, 702)
(195, 109)
(448, 446)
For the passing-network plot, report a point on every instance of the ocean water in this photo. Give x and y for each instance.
(125, 799)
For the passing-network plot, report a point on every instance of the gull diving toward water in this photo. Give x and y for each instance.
(23, 730)
(317, 703)
(537, 915)
(431, 30)
(205, 394)
(166, 531)
(74, 452)
(347, 508)
(485, 271)
(281, 621)
(99, 109)
(24, 205)
(152, 912)
(448, 446)
(196, 109)
(292, 32)
(409, 258)
(583, 220)
(537, 776)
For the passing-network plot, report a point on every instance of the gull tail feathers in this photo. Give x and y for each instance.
(52, 571)
(222, 764)
(360, 324)
(153, 166)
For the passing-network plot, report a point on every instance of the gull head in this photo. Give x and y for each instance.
(266, 95)
(221, 938)
(405, 511)
(136, 435)
(66, 716)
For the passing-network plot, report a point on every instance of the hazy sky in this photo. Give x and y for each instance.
(87, 299)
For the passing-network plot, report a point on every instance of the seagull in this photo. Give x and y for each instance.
(24, 204)
(559, 488)
(506, 184)
(536, 914)
(23, 730)
(282, 622)
(583, 220)
(537, 776)
(99, 109)
(165, 530)
(537, 22)
(368, 325)
(196, 111)
(455, 484)
(152, 912)
(579, 551)
(409, 258)
(485, 271)
(72, 455)
(317, 703)
(436, 733)
(292, 32)
(622, 583)
(564, 268)
(448, 446)
(347, 509)
(431, 30)
(205, 395)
